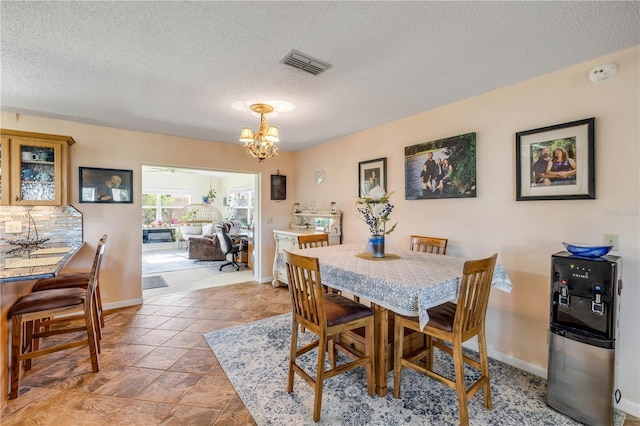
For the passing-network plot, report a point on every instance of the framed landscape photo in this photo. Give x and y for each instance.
(371, 173)
(105, 185)
(444, 168)
(556, 162)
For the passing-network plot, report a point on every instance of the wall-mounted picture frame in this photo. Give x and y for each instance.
(105, 185)
(371, 173)
(278, 187)
(556, 162)
(444, 168)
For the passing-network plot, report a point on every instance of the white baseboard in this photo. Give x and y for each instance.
(624, 405)
(629, 407)
(265, 280)
(536, 370)
(122, 304)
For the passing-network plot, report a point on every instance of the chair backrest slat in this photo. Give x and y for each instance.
(305, 289)
(93, 275)
(313, 240)
(473, 295)
(428, 244)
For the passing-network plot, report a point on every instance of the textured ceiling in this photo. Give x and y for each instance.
(183, 68)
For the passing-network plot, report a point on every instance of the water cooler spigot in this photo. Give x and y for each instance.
(597, 307)
(564, 296)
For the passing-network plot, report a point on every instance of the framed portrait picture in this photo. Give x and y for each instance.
(556, 162)
(444, 168)
(105, 185)
(278, 187)
(371, 173)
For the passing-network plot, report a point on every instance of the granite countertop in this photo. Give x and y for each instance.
(40, 263)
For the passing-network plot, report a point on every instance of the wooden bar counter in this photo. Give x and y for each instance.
(16, 282)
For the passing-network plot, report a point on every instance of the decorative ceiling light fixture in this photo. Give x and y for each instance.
(261, 145)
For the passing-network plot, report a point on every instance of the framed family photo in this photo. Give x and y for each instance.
(371, 173)
(556, 162)
(444, 168)
(105, 185)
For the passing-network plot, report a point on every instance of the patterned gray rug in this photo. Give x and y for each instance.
(157, 261)
(254, 356)
(154, 281)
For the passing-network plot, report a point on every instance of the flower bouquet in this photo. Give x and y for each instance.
(374, 210)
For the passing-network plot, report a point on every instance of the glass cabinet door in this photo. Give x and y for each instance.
(38, 178)
(4, 171)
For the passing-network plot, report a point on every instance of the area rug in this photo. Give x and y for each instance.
(157, 261)
(155, 281)
(255, 357)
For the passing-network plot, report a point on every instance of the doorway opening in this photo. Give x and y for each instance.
(180, 204)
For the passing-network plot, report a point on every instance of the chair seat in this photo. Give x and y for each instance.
(48, 299)
(68, 280)
(340, 310)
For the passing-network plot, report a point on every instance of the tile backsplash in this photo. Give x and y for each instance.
(62, 225)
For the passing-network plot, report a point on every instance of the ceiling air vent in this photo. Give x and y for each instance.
(305, 62)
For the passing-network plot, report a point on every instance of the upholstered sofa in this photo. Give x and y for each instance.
(207, 247)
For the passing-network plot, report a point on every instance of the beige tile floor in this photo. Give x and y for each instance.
(156, 368)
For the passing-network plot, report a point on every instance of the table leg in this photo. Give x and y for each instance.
(381, 351)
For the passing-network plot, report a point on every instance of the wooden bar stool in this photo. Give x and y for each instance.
(77, 280)
(428, 244)
(59, 306)
(455, 323)
(326, 315)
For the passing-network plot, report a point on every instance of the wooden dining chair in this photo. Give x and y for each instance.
(77, 280)
(60, 307)
(326, 315)
(313, 240)
(428, 244)
(455, 323)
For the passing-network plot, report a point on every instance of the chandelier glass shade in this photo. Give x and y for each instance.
(261, 144)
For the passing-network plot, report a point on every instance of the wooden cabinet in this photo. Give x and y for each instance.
(35, 168)
(4, 170)
(305, 223)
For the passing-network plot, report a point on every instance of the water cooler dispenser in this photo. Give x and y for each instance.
(585, 296)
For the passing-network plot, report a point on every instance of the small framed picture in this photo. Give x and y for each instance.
(278, 187)
(556, 162)
(105, 185)
(371, 173)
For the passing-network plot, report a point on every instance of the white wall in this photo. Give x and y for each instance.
(524, 233)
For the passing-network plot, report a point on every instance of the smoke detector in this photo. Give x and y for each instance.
(602, 72)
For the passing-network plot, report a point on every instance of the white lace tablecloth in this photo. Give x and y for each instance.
(408, 285)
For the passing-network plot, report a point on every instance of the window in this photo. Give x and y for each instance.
(163, 206)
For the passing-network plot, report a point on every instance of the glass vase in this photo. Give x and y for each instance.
(377, 242)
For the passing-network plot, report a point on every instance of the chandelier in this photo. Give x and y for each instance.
(261, 145)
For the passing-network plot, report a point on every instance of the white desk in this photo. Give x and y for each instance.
(408, 285)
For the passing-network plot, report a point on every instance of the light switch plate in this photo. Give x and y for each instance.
(13, 227)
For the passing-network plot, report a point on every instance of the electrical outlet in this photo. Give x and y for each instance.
(611, 240)
(13, 227)
(269, 221)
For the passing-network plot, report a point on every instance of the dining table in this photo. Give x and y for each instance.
(404, 282)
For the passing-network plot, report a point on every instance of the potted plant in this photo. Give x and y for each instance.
(210, 197)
